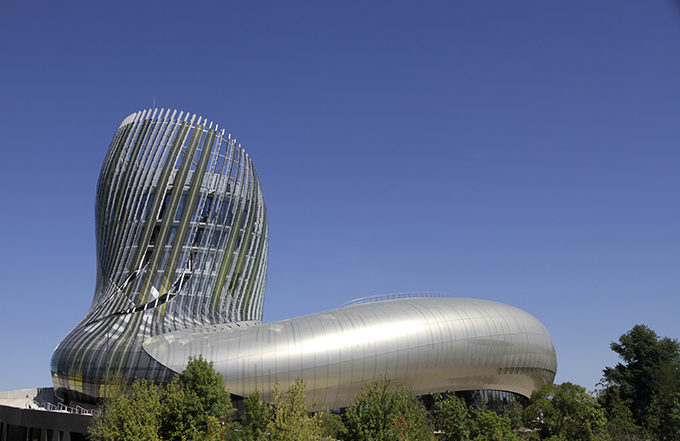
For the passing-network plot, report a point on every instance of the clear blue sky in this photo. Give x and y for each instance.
(526, 152)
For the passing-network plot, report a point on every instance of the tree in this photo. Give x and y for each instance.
(175, 425)
(490, 426)
(645, 382)
(195, 405)
(291, 420)
(514, 412)
(664, 416)
(566, 411)
(451, 416)
(332, 426)
(385, 411)
(620, 423)
(256, 417)
(129, 414)
(200, 379)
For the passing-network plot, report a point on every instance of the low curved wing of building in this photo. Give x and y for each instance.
(182, 241)
(429, 344)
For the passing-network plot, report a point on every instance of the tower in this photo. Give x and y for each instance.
(182, 241)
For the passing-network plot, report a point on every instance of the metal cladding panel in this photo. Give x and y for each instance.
(429, 344)
(182, 241)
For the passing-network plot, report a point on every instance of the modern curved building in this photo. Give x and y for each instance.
(181, 231)
(182, 242)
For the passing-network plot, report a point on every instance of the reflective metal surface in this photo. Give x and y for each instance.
(182, 241)
(428, 344)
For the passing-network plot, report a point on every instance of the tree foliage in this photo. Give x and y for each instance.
(514, 411)
(648, 365)
(256, 417)
(566, 411)
(664, 416)
(212, 399)
(640, 393)
(193, 407)
(130, 414)
(332, 426)
(451, 417)
(292, 419)
(385, 411)
(487, 425)
(620, 423)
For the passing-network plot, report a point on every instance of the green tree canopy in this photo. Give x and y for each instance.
(620, 423)
(664, 416)
(195, 405)
(646, 377)
(566, 411)
(332, 426)
(451, 417)
(129, 414)
(292, 419)
(211, 399)
(256, 417)
(514, 411)
(487, 425)
(385, 411)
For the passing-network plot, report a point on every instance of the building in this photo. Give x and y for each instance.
(31, 414)
(181, 230)
(182, 242)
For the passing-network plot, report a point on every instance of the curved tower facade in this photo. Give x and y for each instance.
(182, 241)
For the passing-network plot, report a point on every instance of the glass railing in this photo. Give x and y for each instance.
(395, 296)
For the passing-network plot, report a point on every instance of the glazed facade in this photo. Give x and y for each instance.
(181, 230)
(182, 255)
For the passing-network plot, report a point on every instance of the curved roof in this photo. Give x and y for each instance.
(429, 344)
